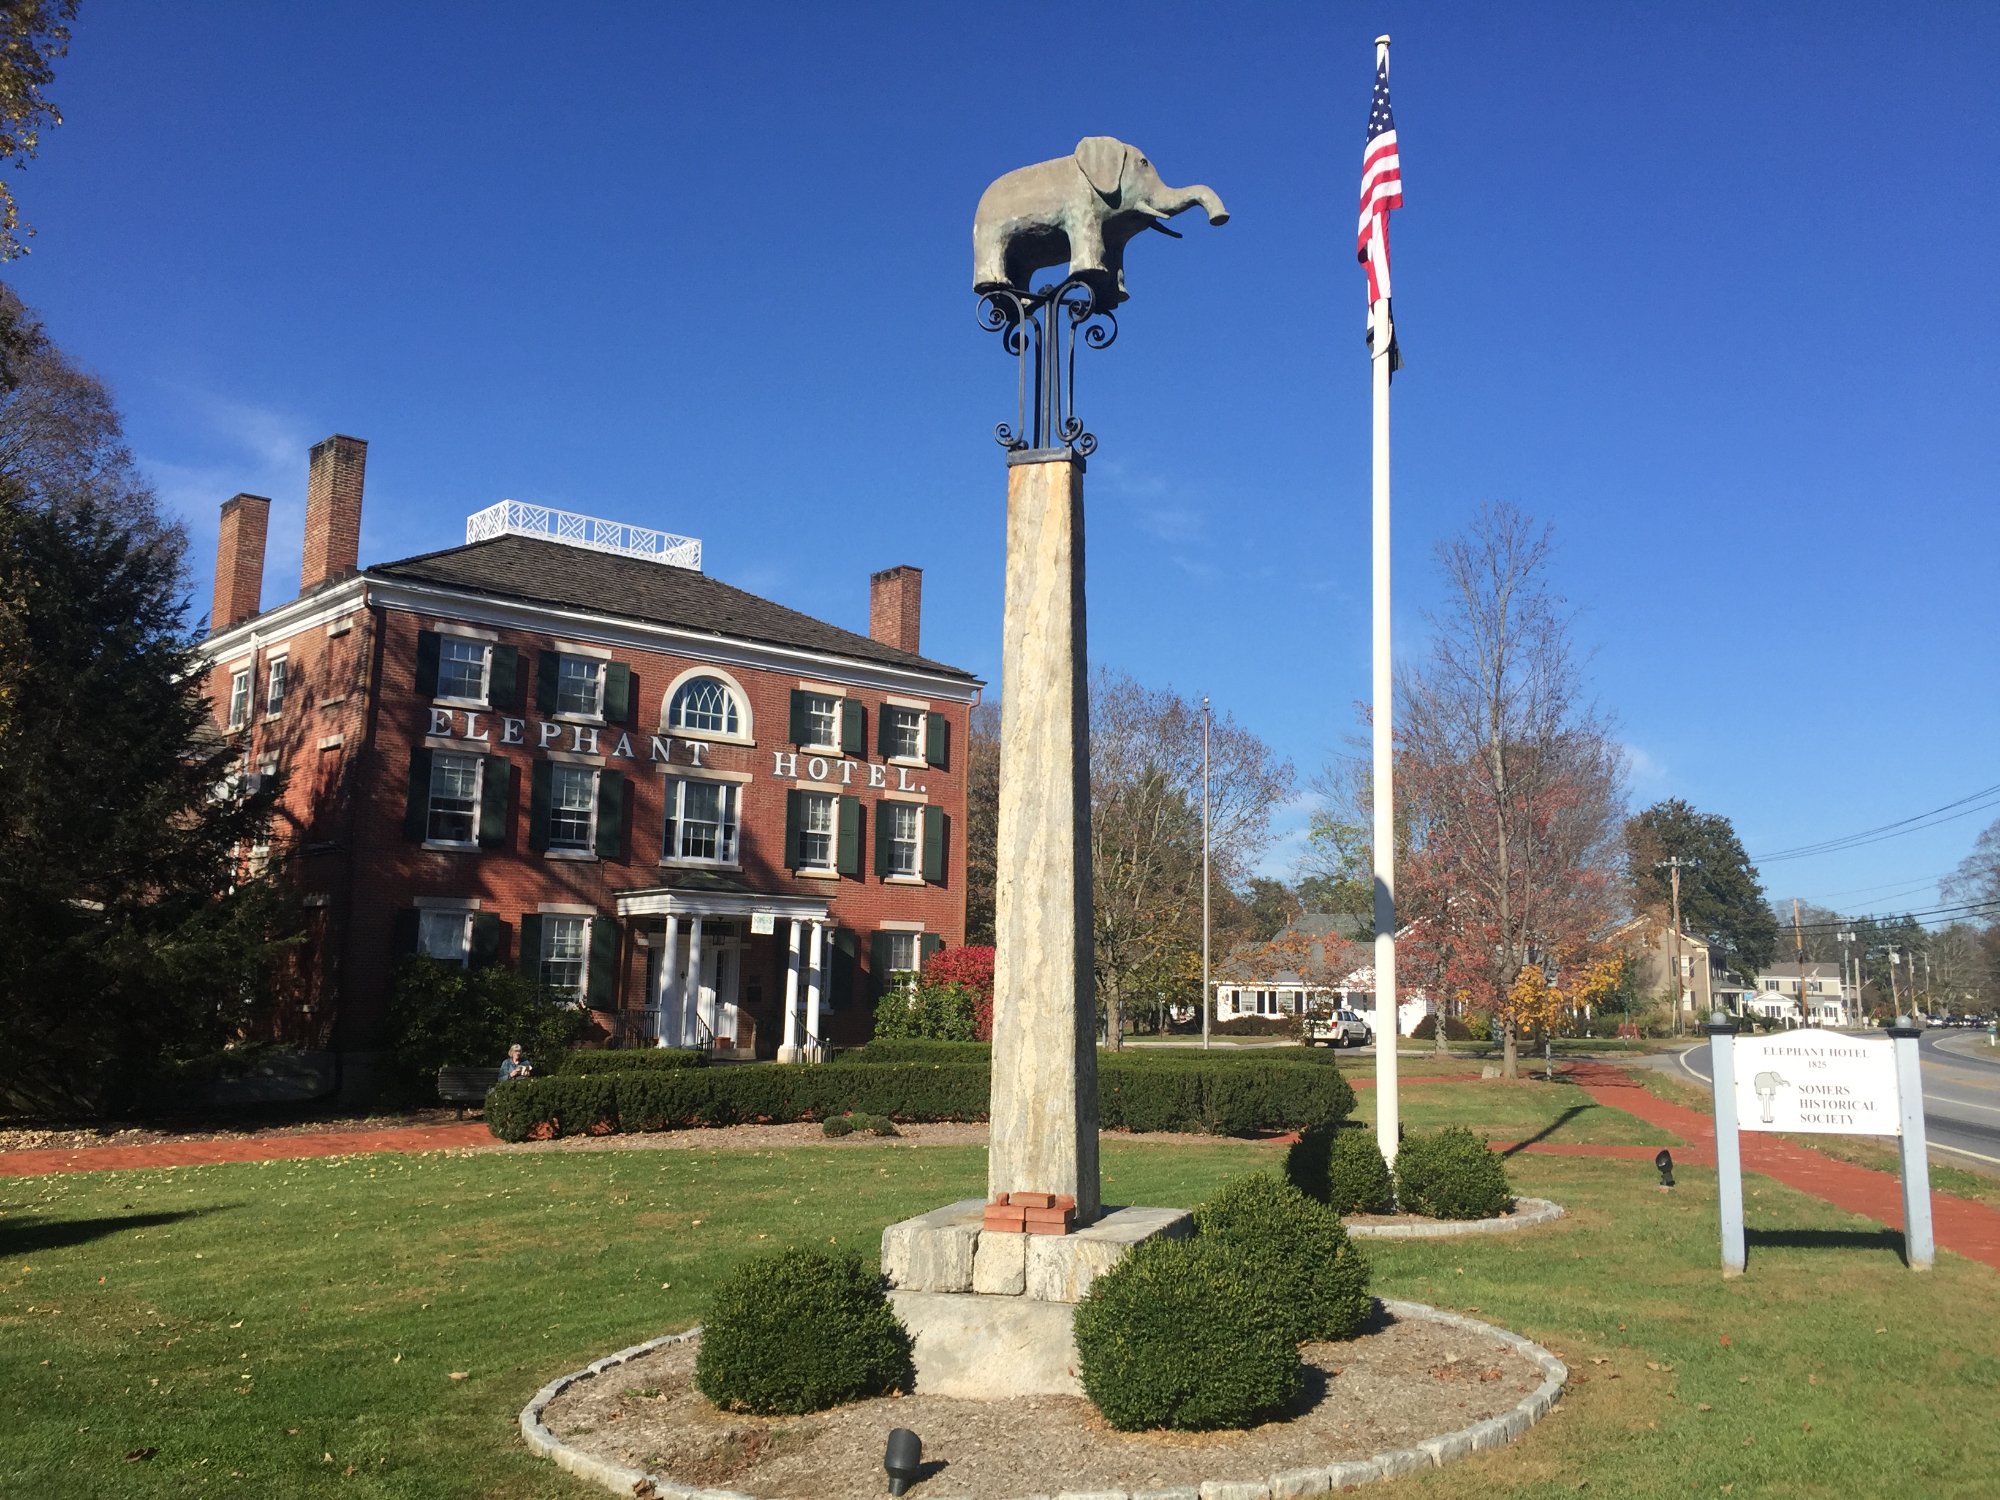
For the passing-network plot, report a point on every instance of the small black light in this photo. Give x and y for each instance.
(1665, 1162)
(904, 1459)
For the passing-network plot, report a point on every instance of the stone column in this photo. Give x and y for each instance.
(704, 1011)
(1043, 1136)
(788, 1049)
(815, 1046)
(670, 986)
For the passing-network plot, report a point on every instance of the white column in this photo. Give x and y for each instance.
(703, 1009)
(669, 999)
(788, 1050)
(1919, 1244)
(815, 1046)
(1728, 1141)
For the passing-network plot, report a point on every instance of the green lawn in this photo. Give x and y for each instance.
(293, 1328)
(1560, 1113)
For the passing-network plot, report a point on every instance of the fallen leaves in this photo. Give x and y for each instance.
(461, 1374)
(140, 1455)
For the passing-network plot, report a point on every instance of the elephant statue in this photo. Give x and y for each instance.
(1083, 209)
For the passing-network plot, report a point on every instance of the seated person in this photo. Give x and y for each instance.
(513, 1065)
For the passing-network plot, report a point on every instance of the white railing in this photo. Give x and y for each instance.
(517, 518)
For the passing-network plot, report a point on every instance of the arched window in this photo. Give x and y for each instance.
(703, 705)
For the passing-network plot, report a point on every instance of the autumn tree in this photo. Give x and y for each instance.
(33, 34)
(1509, 778)
(1722, 901)
(982, 821)
(1335, 878)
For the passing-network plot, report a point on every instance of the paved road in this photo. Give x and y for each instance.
(1961, 1096)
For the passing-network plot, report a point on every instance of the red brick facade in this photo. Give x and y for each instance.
(239, 560)
(361, 706)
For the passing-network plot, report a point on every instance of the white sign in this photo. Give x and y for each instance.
(1817, 1081)
(763, 923)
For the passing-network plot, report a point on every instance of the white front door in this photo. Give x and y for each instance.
(720, 967)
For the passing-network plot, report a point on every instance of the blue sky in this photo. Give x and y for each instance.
(1710, 288)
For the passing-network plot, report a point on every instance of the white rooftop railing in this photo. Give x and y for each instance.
(517, 518)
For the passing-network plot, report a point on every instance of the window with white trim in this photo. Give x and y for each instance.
(239, 697)
(573, 808)
(822, 721)
(903, 732)
(902, 954)
(819, 831)
(703, 705)
(701, 820)
(274, 685)
(462, 668)
(445, 935)
(906, 838)
(454, 806)
(565, 955)
(580, 686)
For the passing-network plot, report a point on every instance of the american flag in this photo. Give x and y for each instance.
(1381, 188)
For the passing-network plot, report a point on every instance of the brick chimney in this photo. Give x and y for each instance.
(896, 606)
(239, 560)
(333, 511)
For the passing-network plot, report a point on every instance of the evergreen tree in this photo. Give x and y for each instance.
(1722, 900)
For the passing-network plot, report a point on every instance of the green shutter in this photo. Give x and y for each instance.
(853, 728)
(417, 807)
(843, 953)
(503, 682)
(885, 721)
(403, 936)
(928, 945)
(878, 964)
(671, 788)
(614, 812)
(488, 935)
(801, 723)
(936, 828)
(937, 740)
(849, 862)
(617, 693)
(530, 957)
(548, 671)
(496, 795)
(601, 992)
(427, 663)
(794, 820)
(541, 792)
(882, 817)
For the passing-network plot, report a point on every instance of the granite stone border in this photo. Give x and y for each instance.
(1528, 1213)
(1293, 1484)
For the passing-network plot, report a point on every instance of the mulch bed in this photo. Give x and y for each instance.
(1395, 1385)
(58, 1137)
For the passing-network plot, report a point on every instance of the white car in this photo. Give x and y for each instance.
(1340, 1028)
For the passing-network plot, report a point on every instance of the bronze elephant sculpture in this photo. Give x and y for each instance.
(1082, 209)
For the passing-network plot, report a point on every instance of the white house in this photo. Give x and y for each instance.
(1291, 976)
(1817, 996)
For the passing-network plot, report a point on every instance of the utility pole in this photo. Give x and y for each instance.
(1799, 946)
(1675, 865)
(1204, 870)
(1846, 943)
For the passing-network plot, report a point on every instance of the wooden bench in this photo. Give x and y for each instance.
(463, 1086)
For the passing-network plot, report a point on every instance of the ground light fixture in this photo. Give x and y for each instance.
(904, 1459)
(1665, 1162)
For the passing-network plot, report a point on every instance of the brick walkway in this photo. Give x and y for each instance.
(243, 1148)
(1971, 1229)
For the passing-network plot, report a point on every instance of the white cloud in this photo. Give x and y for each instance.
(1648, 773)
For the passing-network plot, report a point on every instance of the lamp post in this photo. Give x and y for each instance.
(1204, 870)
(1846, 942)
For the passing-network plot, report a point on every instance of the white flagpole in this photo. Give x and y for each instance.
(1388, 1113)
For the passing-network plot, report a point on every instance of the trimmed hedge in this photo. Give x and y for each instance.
(1449, 1174)
(1230, 1098)
(900, 1049)
(1182, 1333)
(800, 1331)
(1455, 1030)
(840, 1125)
(1342, 1168)
(631, 1060)
(1298, 1249)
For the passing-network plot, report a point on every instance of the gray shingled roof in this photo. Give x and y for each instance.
(520, 567)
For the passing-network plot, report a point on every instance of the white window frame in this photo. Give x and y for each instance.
(277, 682)
(239, 697)
(553, 923)
(896, 971)
(738, 707)
(462, 944)
(599, 675)
(558, 774)
(913, 845)
(831, 833)
(485, 650)
(918, 756)
(832, 741)
(730, 835)
(471, 840)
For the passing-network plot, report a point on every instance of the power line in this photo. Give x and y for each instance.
(1964, 807)
(1961, 913)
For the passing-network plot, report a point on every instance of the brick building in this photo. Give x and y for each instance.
(713, 820)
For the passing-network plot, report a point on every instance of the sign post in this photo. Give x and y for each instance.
(1826, 1083)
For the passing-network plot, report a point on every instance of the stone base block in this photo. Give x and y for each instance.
(989, 1348)
(948, 1250)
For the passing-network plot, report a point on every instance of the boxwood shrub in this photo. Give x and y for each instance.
(1297, 1248)
(1341, 1167)
(1182, 1333)
(1449, 1174)
(631, 1060)
(800, 1331)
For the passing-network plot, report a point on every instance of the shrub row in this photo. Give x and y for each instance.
(1230, 1098)
(631, 1060)
(899, 1049)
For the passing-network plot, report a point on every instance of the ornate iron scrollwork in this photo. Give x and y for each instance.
(1041, 329)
